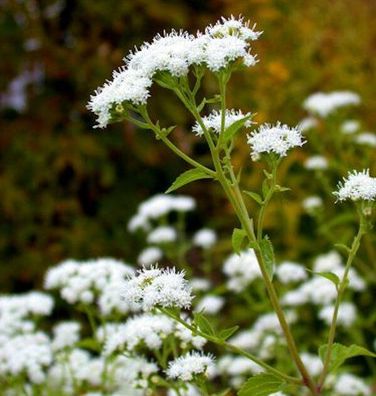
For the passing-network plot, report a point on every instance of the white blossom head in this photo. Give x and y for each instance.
(188, 366)
(277, 139)
(312, 203)
(366, 139)
(357, 186)
(213, 121)
(156, 287)
(205, 238)
(316, 162)
(233, 27)
(350, 126)
(149, 256)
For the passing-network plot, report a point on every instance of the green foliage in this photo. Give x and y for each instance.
(188, 177)
(261, 385)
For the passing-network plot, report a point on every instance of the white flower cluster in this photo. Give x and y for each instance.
(66, 334)
(173, 53)
(214, 121)
(316, 162)
(149, 256)
(241, 269)
(290, 272)
(276, 139)
(320, 291)
(157, 287)
(357, 186)
(205, 238)
(159, 206)
(146, 331)
(346, 314)
(210, 304)
(162, 234)
(350, 126)
(188, 366)
(313, 363)
(83, 282)
(324, 104)
(308, 123)
(350, 385)
(366, 138)
(312, 203)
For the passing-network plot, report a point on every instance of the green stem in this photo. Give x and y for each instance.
(232, 348)
(341, 290)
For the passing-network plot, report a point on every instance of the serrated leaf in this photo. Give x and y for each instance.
(340, 353)
(267, 252)
(203, 323)
(238, 236)
(254, 196)
(227, 333)
(261, 385)
(232, 130)
(188, 177)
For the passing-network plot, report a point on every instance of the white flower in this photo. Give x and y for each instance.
(233, 27)
(186, 336)
(346, 314)
(324, 104)
(241, 269)
(66, 334)
(276, 139)
(328, 262)
(312, 203)
(316, 162)
(149, 256)
(162, 234)
(357, 186)
(156, 287)
(191, 391)
(349, 385)
(366, 138)
(307, 124)
(214, 121)
(210, 304)
(290, 272)
(349, 127)
(187, 366)
(313, 363)
(200, 284)
(146, 329)
(239, 365)
(84, 281)
(205, 238)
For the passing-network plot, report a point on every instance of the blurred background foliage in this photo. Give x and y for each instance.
(67, 190)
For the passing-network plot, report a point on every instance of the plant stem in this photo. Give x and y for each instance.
(341, 289)
(232, 348)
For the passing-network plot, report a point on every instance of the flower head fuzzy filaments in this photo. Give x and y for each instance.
(324, 104)
(357, 186)
(276, 139)
(188, 366)
(173, 53)
(157, 287)
(214, 121)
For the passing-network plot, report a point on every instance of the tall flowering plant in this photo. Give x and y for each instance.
(179, 61)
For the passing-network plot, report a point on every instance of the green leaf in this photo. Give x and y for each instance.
(227, 333)
(238, 236)
(340, 353)
(203, 323)
(232, 130)
(267, 252)
(188, 177)
(281, 188)
(327, 275)
(265, 188)
(254, 196)
(261, 385)
(89, 343)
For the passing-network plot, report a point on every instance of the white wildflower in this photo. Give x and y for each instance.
(312, 203)
(156, 287)
(205, 238)
(214, 121)
(186, 367)
(357, 186)
(66, 334)
(350, 126)
(307, 124)
(316, 162)
(346, 314)
(313, 363)
(233, 27)
(162, 234)
(241, 269)
(200, 284)
(239, 365)
(210, 304)
(366, 138)
(290, 272)
(350, 385)
(324, 104)
(276, 139)
(149, 256)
